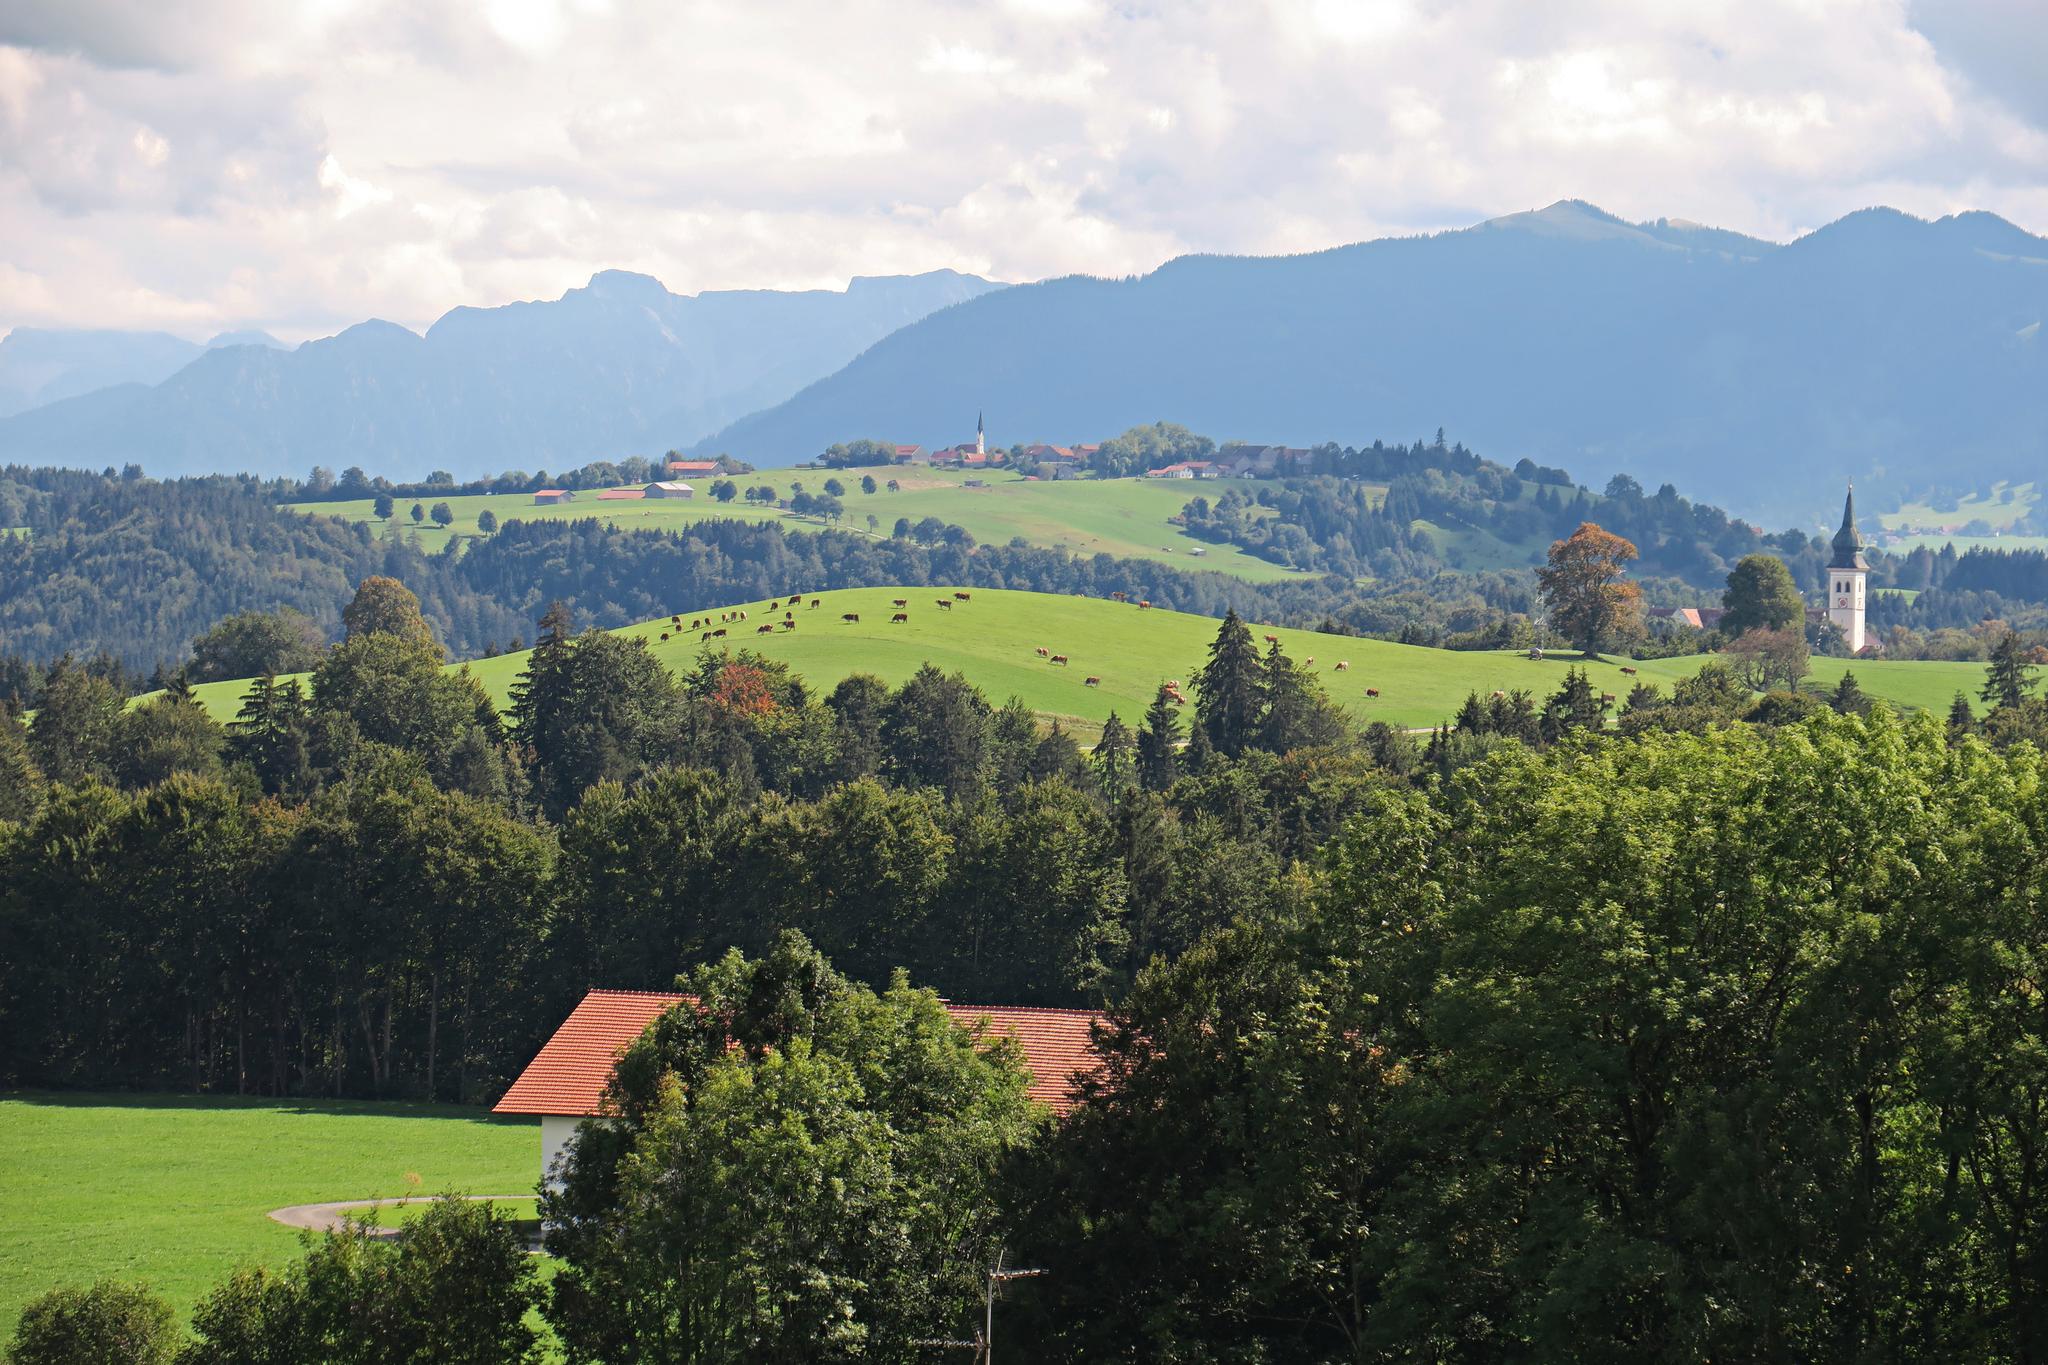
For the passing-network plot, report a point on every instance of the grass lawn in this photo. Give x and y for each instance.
(993, 639)
(1994, 509)
(1905, 545)
(1123, 517)
(173, 1189)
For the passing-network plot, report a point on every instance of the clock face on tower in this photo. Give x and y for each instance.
(1842, 601)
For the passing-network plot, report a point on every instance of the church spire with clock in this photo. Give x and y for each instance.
(1846, 573)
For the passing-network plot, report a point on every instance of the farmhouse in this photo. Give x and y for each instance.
(1187, 469)
(669, 490)
(565, 1082)
(687, 469)
(547, 496)
(909, 454)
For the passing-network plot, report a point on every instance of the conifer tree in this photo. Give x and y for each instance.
(1962, 718)
(1230, 689)
(2009, 674)
(1574, 706)
(1849, 698)
(1112, 755)
(1159, 743)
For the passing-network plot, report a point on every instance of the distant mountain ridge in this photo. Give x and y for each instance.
(1881, 347)
(618, 367)
(41, 365)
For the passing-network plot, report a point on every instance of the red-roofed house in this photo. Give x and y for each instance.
(565, 1082)
(685, 468)
(906, 454)
(552, 495)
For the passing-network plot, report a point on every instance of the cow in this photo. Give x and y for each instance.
(1372, 691)
(1120, 597)
(664, 637)
(743, 616)
(1535, 656)
(817, 602)
(1091, 682)
(1059, 658)
(851, 617)
(1607, 699)
(1628, 672)
(899, 616)
(788, 624)
(705, 636)
(1499, 695)
(695, 624)
(1043, 652)
(789, 616)
(675, 620)
(962, 596)
(719, 633)
(899, 601)
(1343, 665)
(1309, 662)
(1272, 639)
(768, 629)
(776, 605)
(944, 603)
(1145, 605)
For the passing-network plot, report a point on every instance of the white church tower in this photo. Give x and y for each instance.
(980, 437)
(1846, 572)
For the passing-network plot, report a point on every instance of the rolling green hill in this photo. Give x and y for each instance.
(1124, 517)
(993, 639)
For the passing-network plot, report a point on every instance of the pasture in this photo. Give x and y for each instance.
(994, 638)
(2005, 504)
(174, 1189)
(1123, 517)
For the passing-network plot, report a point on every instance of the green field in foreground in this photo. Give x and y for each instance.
(994, 637)
(1123, 517)
(173, 1189)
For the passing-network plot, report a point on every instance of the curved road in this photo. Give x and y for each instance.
(327, 1217)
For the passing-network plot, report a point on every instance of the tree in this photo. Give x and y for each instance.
(1113, 758)
(801, 1170)
(252, 643)
(1962, 718)
(418, 514)
(1761, 596)
(867, 483)
(385, 606)
(2009, 676)
(1298, 713)
(934, 733)
(164, 735)
(724, 490)
(1159, 742)
(72, 736)
(1574, 706)
(383, 507)
(1590, 603)
(1764, 659)
(598, 708)
(106, 1324)
(443, 514)
(901, 531)
(21, 782)
(834, 488)
(1849, 698)
(874, 523)
(457, 1287)
(1230, 688)
(487, 521)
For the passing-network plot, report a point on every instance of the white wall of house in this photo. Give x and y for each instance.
(555, 1132)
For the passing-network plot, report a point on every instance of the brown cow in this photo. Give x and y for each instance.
(1372, 691)
(719, 633)
(945, 604)
(899, 616)
(1043, 652)
(1499, 695)
(743, 616)
(899, 601)
(962, 596)
(788, 624)
(664, 637)
(1091, 682)
(1343, 665)
(817, 602)
(1628, 672)
(1607, 699)
(1144, 605)
(1121, 596)
(705, 636)
(1059, 658)
(1309, 662)
(776, 605)
(765, 630)
(851, 616)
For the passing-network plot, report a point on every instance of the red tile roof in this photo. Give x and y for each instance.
(620, 494)
(693, 466)
(569, 1074)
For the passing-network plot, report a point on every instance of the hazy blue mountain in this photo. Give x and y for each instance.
(1758, 376)
(41, 365)
(618, 367)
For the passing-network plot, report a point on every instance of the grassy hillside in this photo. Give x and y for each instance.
(1123, 517)
(2005, 504)
(173, 1189)
(994, 637)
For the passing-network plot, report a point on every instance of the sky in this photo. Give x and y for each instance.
(301, 165)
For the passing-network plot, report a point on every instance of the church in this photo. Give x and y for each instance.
(1847, 571)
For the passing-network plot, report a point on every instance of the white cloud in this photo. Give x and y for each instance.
(230, 163)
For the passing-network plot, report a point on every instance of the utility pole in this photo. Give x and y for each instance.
(983, 1344)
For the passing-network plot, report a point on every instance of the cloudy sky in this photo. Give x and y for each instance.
(298, 165)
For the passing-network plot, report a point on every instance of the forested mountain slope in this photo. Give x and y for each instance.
(1880, 347)
(616, 368)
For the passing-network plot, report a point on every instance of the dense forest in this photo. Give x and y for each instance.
(1710, 1035)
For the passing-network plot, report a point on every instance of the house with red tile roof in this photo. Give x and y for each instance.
(565, 1082)
(700, 468)
(547, 496)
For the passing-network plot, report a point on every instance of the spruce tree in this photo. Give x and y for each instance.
(2009, 674)
(1574, 706)
(1112, 755)
(1849, 698)
(1230, 689)
(1962, 719)
(1159, 743)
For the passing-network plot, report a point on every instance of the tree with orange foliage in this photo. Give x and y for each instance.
(1590, 603)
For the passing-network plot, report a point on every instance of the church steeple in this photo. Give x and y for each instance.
(980, 436)
(1848, 543)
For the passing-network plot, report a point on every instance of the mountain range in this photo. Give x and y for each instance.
(618, 367)
(1902, 353)
(41, 365)
(1894, 351)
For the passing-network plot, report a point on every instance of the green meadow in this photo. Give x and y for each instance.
(994, 639)
(2005, 504)
(174, 1190)
(1123, 517)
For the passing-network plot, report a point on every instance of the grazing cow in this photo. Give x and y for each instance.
(1536, 656)
(664, 637)
(899, 616)
(899, 601)
(1272, 639)
(945, 604)
(776, 605)
(743, 616)
(1499, 695)
(1145, 605)
(1043, 652)
(1309, 662)
(675, 620)
(695, 624)
(1628, 672)
(962, 596)
(719, 633)
(1120, 596)
(817, 601)
(1343, 665)
(850, 617)
(1091, 682)
(788, 623)
(1372, 691)
(1607, 699)
(1059, 658)
(705, 636)
(765, 630)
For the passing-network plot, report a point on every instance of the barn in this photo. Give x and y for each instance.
(669, 489)
(548, 496)
(565, 1082)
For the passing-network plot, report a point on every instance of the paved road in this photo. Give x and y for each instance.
(327, 1217)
